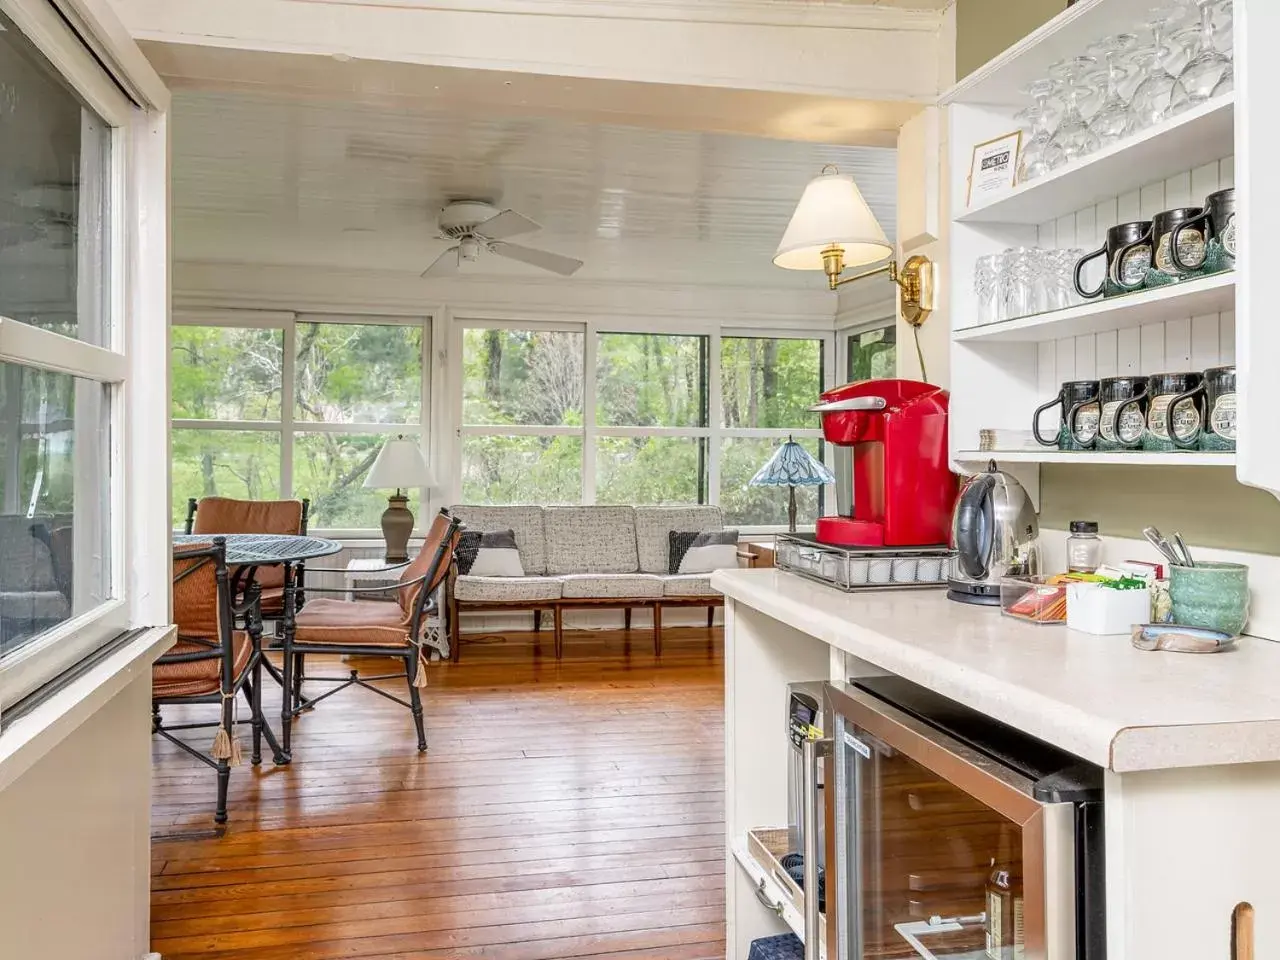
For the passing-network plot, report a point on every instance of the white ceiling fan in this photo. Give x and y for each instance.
(475, 225)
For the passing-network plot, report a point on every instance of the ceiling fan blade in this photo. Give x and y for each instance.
(445, 265)
(508, 223)
(565, 266)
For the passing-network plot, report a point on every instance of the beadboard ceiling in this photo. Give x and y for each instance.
(273, 179)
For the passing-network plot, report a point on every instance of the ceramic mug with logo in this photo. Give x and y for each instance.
(1216, 431)
(1174, 409)
(1160, 240)
(1218, 222)
(1124, 413)
(1077, 403)
(1127, 258)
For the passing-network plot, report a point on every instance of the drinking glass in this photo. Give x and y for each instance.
(1224, 27)
(1017, 277)
(1199, 78)
(986, 280)
(1061, 273)
(1228, 81)
(1039, 154)
(1074, 137)
(1113, 120)
(1151, 100)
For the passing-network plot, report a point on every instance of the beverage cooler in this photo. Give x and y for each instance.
(949, 835)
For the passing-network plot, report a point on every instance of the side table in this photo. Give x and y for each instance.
(372, 571)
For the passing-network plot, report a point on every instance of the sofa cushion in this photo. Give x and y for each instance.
(525, 522)
(507, 589)
(597, 586)
(591, 540)
(498, 556)
(712, 550)
(689, 585)
(654, 525)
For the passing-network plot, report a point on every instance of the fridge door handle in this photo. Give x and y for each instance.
(811, 751)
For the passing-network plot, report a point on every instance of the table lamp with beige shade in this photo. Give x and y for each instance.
(400, 466)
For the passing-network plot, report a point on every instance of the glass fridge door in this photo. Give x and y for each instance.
(935, 851)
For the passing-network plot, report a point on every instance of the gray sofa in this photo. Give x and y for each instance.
(580, 557)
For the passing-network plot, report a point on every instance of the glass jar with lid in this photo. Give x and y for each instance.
(1084, 547)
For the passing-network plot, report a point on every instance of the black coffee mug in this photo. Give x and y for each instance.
(1160, 240)
(1077, 402)
(1131, 266)
(1124, 412)
(1216, 430)
(1175, 409)
(1217, 222)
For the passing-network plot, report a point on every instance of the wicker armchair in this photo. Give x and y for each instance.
(372, 628)
(212, 662)
(213, 515)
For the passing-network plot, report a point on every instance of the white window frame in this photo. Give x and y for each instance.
(712, 434)
(288, 426)
(136, 314)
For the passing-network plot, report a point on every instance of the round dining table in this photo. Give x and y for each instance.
(248, 551)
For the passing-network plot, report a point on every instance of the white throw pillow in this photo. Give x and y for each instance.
(713, 550)
(498, 556)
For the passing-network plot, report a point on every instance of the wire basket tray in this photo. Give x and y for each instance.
(863, 568)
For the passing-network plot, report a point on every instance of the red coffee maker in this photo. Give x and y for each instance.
(893, 485)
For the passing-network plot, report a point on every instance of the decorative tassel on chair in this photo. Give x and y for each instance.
(420, 677)
(226, 745)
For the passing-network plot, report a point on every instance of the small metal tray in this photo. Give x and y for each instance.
(863, 568)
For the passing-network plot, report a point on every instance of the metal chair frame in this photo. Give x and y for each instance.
(299, 569)
(249, 682)
(295, 653)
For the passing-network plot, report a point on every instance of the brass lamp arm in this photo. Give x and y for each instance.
(890, 268)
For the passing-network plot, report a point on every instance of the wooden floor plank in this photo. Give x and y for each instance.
(565, 810)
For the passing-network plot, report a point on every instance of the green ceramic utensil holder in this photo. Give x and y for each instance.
(1213, 595)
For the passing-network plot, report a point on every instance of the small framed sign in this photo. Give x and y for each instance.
(995, 166)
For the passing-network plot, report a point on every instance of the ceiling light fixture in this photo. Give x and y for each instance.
(833, 228)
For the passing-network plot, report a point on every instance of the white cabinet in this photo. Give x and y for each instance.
(1000, 372)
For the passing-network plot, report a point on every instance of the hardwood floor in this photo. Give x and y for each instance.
(564, 810)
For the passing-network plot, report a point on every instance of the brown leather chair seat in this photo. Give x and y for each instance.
(198, 677)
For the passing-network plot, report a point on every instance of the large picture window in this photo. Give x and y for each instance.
(575, 415)
(63, 553)
(294, 406)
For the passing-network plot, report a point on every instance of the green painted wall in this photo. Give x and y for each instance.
(986, 27)
(1205, 503)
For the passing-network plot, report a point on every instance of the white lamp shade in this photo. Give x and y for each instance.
(400, 464)
(832, 213)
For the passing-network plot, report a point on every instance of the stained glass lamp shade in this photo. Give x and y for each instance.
(792, 466)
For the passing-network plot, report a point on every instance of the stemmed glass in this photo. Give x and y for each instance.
(1113, 121)
(1199, 78)
(1151, 99)
(1039, 154)
(1074, 137)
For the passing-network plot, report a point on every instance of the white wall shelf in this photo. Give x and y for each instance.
(1135, 458)
(1190, 298)
(997, 82)
(1188, 140)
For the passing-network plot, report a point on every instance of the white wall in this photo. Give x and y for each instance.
(75, 840)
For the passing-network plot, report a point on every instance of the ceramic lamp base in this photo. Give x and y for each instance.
(397, 527)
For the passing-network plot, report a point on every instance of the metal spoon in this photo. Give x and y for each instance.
(1157, 540)
(1182, 545)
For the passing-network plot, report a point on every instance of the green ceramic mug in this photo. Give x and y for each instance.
(1213, 595)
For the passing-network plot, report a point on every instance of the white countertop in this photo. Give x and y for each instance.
(1097, 697)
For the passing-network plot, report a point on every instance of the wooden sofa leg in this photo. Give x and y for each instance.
(626, 619)
(537, 620)
(657, 629)
(711, 616)
(559, 630)
(454, 629)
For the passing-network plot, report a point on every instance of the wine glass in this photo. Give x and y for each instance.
(1199, 78)
(1153, 96)
(1113, 121)
(1074, 137)
(1039, 154)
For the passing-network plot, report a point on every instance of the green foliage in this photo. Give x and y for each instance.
(873, 354)
(769, 383)
(343, 373)
(544, 470)
(650, 380)
(648, 470)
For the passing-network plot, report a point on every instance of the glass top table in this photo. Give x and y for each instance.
(265, 549)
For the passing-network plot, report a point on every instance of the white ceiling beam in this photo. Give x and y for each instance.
(852, 51)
